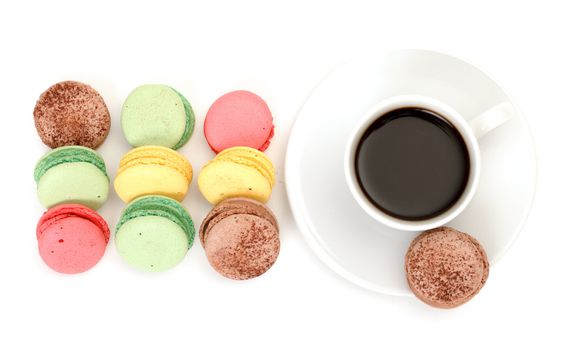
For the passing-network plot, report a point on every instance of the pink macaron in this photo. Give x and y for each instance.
(238, 118)
(71, 238)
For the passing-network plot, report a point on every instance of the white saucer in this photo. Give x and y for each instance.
(349, 241)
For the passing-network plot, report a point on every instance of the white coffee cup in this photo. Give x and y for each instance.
(470, 131)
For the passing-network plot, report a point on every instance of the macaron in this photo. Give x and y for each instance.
(238, 118)
(240, 237)
(71, 174)
(154, 233)
(71, 238)
(71, 113)
(157, 115)
(237, 172)
(446, 268)
(151, 170)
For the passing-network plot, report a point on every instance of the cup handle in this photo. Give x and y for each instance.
(492, 118)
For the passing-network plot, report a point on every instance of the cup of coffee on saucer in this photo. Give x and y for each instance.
(413, 163)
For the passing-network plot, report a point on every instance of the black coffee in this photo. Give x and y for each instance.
(412, 164)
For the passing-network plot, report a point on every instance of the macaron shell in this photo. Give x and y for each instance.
(154, 115)
(236, 205)
(250, 162)
(147, 155)
(151, 243)
(446, 268)
(162, 206)
(153, 170)
(242, 246)
(251, 156)
(73, 246)
(71, 113)
(150, 179)
(220, 180)
(190, 121)
(71, 238)
(68, 154)
(51, 216)
(81, 183)
(238, 118)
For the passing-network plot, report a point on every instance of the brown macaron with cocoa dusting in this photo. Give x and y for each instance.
(71, 113)
(240, 237)
(445, 267)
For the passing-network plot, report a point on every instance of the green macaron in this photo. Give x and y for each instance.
(154, 233)
(72, 174)
(157, 115)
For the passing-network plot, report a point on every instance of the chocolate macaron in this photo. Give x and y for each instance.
(71, 113)
(445, 267)
(240, 237)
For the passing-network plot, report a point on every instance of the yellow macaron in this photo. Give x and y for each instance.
(154, 170)
(237, 172)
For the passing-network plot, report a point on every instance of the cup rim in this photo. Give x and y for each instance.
(451, 116)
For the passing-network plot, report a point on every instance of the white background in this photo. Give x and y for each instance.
(279, 50)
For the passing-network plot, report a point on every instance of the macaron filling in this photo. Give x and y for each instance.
(189, 122)
(68, 154)
(162, 207)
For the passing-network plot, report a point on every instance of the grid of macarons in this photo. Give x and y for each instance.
(240, 235)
